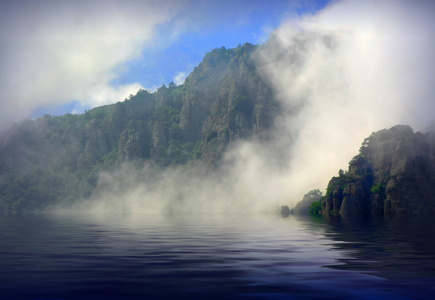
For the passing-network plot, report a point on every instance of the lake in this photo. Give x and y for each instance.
(145, 256)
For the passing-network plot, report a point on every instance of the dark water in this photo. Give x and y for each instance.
(214, 257)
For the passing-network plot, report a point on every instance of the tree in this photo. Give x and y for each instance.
(315, 193)
(315, 208)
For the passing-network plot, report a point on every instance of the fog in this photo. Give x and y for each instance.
(351, 69)
(56, 52)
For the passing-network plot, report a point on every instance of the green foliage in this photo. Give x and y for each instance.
(163, 89)
(315, 208)
(196, 151)
(161, 156)
(357, 160)
(161, 114)
(177, 153)
(377, 188)
(109, 159)
(218, 55)
(58, 159)
(97, 113)
(169, 116)
(241, 104)
(338, 183)
(328, 191)
(178, 91)
(316, 193)
(38, 187)
(143, 93)
(211, 135)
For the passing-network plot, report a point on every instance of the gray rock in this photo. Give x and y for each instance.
(392, 175)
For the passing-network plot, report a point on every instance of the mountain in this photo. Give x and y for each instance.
(55, 160)
(393, 174)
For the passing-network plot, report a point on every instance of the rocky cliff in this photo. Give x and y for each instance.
(393, 174)
(58, 159)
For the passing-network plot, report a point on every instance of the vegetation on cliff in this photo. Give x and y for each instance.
(309, 204)
(315, 208)
(393, 174)
(58, 159)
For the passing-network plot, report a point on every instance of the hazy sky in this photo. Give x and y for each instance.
(66, 56)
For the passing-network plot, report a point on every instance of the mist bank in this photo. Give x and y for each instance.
(56, 52)
(208, 125)
(351, 69)
(393, 175)
(176, 190)
(250, 129)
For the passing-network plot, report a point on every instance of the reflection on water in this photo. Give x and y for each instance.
(215, 257)
(399, 248)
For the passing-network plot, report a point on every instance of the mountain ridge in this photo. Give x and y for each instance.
(55, 160)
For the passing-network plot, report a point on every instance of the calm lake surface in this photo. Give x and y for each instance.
(214, 257)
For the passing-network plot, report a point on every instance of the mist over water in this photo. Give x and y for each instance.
(351, 69)
(188, 232)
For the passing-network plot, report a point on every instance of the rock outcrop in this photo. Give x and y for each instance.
(394, 174)
(58, 159)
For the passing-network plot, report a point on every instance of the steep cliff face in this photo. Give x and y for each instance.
(58, 159)
(244, 106)
(394, 174)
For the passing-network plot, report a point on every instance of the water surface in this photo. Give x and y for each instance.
(213, 257)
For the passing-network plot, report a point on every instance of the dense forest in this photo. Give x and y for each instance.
(57, 159)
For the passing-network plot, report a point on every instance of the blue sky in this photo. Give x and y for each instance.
(68, 56)
(213, 24)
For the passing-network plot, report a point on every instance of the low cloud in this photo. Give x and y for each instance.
(180, 77)
(54, 52)
(353, 68)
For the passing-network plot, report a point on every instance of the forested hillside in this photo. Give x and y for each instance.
(57, 159)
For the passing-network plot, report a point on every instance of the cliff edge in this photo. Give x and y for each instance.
(393, 174)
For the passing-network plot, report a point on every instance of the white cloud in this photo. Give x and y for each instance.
(354, 68)
(104, 93)
(57, 51)
(180, 77)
